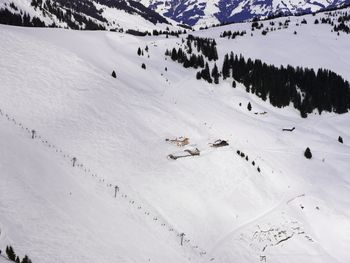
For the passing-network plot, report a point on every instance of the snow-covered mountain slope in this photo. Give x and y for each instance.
(62, 215)
(101, 14)
(189, 12)
(200, 13)
(59, 83)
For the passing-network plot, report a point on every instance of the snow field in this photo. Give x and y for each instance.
(58, 82)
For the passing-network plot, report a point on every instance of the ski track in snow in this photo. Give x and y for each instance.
(228, 236)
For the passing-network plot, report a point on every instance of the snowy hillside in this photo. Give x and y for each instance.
(92, 15)
(273, 205)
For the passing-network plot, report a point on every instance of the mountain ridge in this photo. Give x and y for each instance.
(144, 15)
(205, 13)
(115, 15)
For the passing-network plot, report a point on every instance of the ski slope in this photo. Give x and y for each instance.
(58, 82)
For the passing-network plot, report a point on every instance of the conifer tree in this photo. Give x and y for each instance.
(308, 153)
(206, 73)
(26, 259)
(249, 106)
(174, 54)
(340, 139)
(189, 47)
(10, 253)
(139, 51)
(226, 68)
(233, 84)
(201, 61)
(114, 75)
(215, 74)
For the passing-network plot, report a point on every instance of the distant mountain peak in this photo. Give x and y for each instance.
(208, 12)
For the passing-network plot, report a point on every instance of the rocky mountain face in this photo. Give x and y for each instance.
(149, 14)
(206, 12)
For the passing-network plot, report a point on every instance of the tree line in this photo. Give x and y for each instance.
(9, 18)
(304, 88)
(167, 32)
(11, 255)
(339, 24)
(180, 56)
(229, 34)
(65, 12)
(206, 46)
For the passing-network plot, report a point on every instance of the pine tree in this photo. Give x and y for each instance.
(215, 74)
(139, 51)
(340, 139)
(226, 68)
(214, 51)
(143, 66)
(206, 73)
(174, 54)
(114, 75)
(233, 84)
(10, 253)
(249, 106)
(189, 47)
(308, 153)
(18, 260)
(201, 61)
(26, 259)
